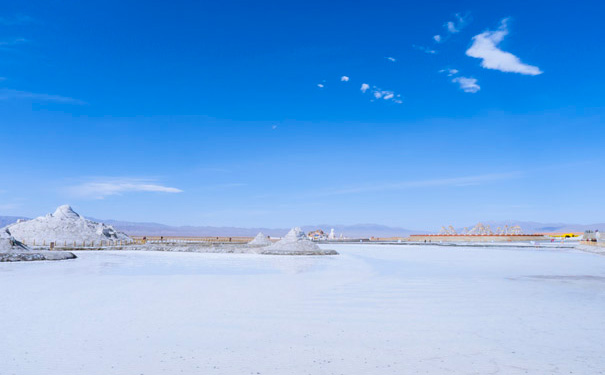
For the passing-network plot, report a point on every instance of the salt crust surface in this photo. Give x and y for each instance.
(374, 309)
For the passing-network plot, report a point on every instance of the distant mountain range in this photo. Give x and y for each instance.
(358, 230)
(155, 229)
(536, 227)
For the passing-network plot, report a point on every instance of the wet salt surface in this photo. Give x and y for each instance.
(370, 310)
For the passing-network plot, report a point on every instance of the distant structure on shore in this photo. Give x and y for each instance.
(320, 235)
(482, 230)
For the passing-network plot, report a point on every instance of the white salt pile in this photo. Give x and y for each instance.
(12, 250)
(8, 243)
(295, 243)
(260, 241)
(64, 225)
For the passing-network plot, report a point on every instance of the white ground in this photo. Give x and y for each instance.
(371, 310)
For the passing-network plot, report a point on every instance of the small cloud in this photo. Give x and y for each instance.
(6, 94)
(451, 28)
(320, 85)
(378, 93)
(467, 84)
(392, 59)
(437, 38)
(485, 47)
(454, 27)
(344, 79)
(274, 127)
(425, 49)
(449, 72)
(104, 188)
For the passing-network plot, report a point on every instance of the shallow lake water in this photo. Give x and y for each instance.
(374, 309)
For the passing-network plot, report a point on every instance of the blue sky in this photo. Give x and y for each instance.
(288, 113)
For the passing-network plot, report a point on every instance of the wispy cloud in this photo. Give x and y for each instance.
(344, 79)
(9, 206)
(485, 47)
(16, 20)
(102, 188)
(12, 41)
(467, 84)
(443, 182)
(449, 72)
(460, 22)
(379, 93)
(428, 50)
(391, 59)
(6, 94)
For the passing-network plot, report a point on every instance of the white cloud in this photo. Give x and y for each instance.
(344, 79)
(450, 72)
(420, 184)
(320, 85)
(104, 188)
(454, 27)
(378, 93)
(392, 59)
(6, 94)
(467, 84)
(437, 38)
(451, 28)
(485, 47)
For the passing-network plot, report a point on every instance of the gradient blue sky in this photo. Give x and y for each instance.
(235, 113)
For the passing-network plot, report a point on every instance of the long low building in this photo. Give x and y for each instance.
(476, 237)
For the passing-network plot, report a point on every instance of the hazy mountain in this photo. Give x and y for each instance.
(155, 229)
(536, 227)
(6, 220)
(358, 230)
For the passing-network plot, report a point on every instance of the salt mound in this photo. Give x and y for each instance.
(296, 243)
(8, 243)
(64, 225)
(12, 250)
(260, 241)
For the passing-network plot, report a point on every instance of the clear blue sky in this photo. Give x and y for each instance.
(256, 113)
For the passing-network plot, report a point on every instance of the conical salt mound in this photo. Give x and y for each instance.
(64, 225)
(260, 241)
(296, 243)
